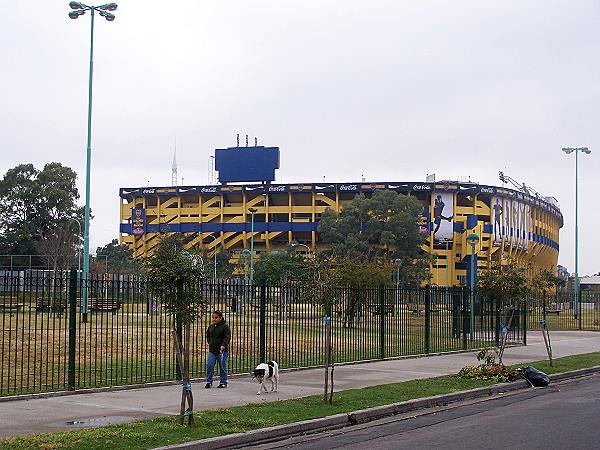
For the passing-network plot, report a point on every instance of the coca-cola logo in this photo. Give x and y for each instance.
(485, 190)
(148, 191)
(421, 187)
(277, 189)
(208, 190)
(348, 187)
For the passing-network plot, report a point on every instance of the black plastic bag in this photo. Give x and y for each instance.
(535, 377)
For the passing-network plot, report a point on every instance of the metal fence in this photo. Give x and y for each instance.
(45, 346)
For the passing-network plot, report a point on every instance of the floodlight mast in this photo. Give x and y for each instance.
(576, 303)
(79, 9)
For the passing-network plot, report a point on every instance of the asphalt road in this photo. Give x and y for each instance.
(563, 416)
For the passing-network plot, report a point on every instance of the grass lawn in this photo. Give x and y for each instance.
(163, 431)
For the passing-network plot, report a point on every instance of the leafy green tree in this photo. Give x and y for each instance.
(381, 228)
(175, 276)
(546, 281)
(34, 204)
(278, 267)
(224, 267)
(119, 258)
(504, 282)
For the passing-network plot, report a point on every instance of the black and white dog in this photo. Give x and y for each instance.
(267, 372)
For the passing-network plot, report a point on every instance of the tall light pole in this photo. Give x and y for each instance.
(252, 211)
(587, 151)
(472, 240)
(79, 9)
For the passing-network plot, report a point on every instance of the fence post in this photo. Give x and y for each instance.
(180, 338)
(262, 325)
(498, 304)
(72, 327)
(580, 308)
(381, 321)
(464, 317)
(455, 312)
(427, 318)
(525, 321)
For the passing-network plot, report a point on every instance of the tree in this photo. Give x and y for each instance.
(35, 204)
(278, 267)
(59, 247)
(504, 281)
(119, 258)
(506, 285)
(381, 228)
(175, 276)
(546, 281)
(224, 266)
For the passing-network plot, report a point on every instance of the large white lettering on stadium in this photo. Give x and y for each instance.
(421, 187)
(348, 187)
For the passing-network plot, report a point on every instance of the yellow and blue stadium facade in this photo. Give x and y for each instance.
(217, 218)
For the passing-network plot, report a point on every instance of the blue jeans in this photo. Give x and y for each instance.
(212, 360)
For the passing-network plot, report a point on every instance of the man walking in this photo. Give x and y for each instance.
(218, 336)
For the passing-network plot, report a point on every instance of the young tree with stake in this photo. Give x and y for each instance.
(175, 276)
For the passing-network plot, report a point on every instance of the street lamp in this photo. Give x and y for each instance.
(568, 151)
(472, 240)
(79, 9)
(252, 211)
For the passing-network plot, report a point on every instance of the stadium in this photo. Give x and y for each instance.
(509, 222)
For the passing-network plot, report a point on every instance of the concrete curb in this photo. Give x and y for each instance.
(366, 415)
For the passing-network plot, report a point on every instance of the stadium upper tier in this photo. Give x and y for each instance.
(215, 218)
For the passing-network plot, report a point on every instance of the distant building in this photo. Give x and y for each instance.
(590, 283)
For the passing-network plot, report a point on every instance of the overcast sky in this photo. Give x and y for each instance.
(390, 89)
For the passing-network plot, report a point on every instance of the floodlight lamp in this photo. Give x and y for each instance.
(108, 7)
(472, 239)
(586, 150)
(567, 150)
(398, 261)
(252, 210)
(76, 14)
(108, 16)
(76, 5)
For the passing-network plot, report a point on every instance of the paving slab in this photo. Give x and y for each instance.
(70, 412)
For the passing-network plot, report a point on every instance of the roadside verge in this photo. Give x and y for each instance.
(265, 435)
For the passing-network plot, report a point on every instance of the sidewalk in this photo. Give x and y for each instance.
(85, 410)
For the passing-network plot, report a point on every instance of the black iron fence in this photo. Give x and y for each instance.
(45, 346)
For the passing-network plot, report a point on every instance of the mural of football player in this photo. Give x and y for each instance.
(438, 216)
(498, 220)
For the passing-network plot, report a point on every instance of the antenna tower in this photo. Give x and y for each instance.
(174, 167)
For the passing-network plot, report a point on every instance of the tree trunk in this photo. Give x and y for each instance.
(182, 352)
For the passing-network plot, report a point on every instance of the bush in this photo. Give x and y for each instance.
(489, 370)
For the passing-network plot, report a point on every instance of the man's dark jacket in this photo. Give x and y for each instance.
(218, 335)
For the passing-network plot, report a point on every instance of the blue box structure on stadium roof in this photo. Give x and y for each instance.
(247, 164)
